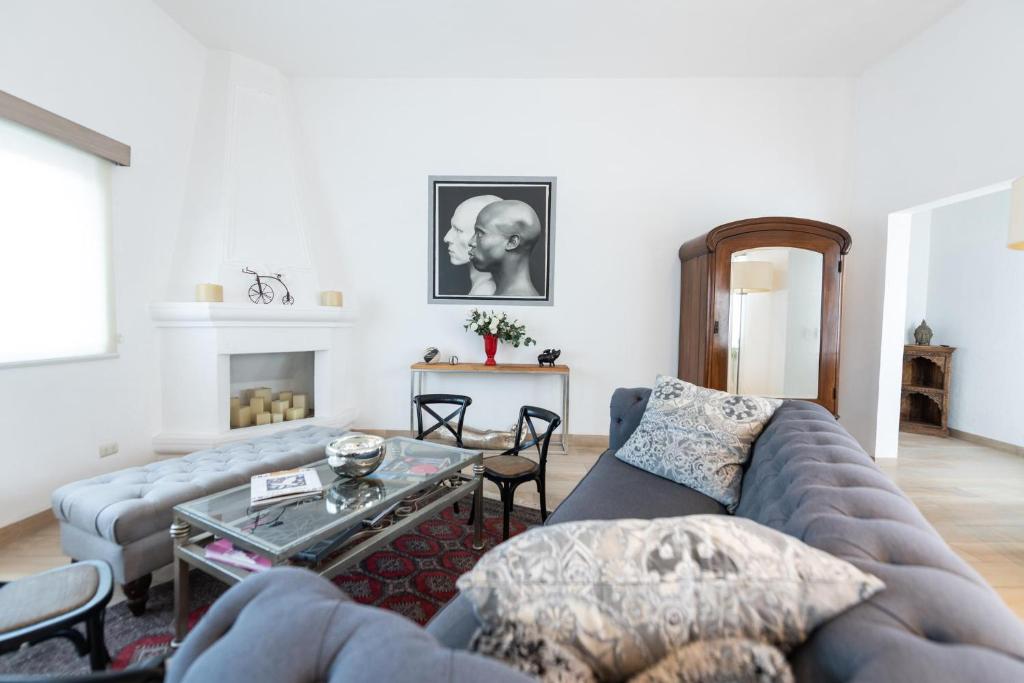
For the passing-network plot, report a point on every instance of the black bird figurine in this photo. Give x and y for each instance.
(548, 356)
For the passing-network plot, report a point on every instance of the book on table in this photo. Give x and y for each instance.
(222, 550)
(284, 486)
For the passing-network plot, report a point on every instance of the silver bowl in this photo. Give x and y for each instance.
(356, 455)
(352, 495)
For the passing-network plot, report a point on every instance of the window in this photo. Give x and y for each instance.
(56, 294)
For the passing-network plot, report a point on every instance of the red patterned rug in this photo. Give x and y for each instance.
(414, 576)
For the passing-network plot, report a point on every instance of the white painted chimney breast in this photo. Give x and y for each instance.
(244, 204)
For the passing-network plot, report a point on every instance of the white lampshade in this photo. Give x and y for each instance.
(1015, 240)
(751, 277)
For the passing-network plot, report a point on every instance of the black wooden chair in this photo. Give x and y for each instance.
(510, 469)
(50, 604)
(424, 401)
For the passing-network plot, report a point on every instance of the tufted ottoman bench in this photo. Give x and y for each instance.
(123, 517)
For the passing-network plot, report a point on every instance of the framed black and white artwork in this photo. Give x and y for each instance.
(491, 240)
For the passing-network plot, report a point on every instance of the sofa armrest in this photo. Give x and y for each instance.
(627, 408)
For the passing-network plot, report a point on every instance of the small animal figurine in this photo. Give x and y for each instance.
(548, 356)
(429, 354)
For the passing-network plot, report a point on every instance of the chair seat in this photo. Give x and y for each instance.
(38, 598)
(509, 465)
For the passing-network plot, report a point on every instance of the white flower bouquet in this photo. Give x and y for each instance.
(509, 331)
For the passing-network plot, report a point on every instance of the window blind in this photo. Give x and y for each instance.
(56, 276)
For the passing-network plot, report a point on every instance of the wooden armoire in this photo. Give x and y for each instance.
(798, 261)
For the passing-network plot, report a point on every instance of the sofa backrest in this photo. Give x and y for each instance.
(936, 620)
(627, 408)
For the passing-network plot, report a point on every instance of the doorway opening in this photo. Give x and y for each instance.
(947, 263)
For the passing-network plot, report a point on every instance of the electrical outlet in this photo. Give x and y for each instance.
(107, 449)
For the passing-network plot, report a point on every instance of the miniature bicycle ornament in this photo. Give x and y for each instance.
(261, 292)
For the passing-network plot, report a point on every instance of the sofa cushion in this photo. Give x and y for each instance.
(698, 437)
(936, 620)
(624, 594)
(613, 489)
(129, 504)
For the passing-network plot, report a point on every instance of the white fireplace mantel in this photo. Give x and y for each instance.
(196, 343)
(201, 314)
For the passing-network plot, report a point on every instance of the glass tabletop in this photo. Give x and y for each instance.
(283, 530)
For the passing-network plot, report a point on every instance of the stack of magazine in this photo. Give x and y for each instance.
(285, 486)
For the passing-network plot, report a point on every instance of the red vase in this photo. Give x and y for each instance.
(490, 348)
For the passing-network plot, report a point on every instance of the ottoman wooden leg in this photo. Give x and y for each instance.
(137, 592)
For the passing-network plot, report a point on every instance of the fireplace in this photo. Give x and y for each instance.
(212, 353)
(275, 387)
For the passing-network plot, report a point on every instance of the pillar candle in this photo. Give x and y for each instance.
(245, 416)
(235, 405)
(295, 414)
(265, 393)
(284, 396)
(263, 418)
(299, 401)
(257, 405)
(331, 298)
(277, 417)
(208, 291)
(279, 406)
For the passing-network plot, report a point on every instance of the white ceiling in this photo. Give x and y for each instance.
(559, 38)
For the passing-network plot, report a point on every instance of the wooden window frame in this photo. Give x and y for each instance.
(67, 131)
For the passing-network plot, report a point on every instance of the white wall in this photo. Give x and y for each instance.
(642, 166)
(917, 271)
(974, 304)
(939, 117)
(127, 70)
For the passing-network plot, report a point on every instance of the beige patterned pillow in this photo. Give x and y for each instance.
(624, 594)
(698, 437)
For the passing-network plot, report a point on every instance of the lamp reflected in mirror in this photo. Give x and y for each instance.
(1015, 238)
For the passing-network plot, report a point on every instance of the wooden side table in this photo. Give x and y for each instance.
(924, 399)
(417, 371)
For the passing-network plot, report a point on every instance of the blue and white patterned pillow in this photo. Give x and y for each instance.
(698, 437)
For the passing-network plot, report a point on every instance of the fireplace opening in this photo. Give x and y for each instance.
(267, 388)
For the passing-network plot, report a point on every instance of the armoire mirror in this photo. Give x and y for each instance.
(760, 308)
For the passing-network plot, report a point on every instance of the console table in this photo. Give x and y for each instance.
(418, 370)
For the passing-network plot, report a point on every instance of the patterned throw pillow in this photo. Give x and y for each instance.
(625, 594)
(731, 660)
(698, 437)
(527, 649)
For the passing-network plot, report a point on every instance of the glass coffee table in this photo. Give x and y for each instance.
(330, 534)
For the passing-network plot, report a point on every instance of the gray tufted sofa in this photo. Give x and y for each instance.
(937, 619)
(123, 517)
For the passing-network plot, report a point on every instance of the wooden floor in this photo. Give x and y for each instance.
(974, 496)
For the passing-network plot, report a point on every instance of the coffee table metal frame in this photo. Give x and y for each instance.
(191, 533)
